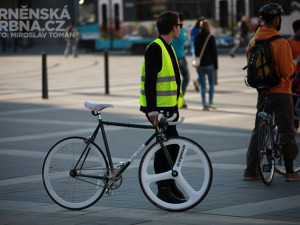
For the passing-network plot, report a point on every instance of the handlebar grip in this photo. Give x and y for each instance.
(172, 118)
(176, 122)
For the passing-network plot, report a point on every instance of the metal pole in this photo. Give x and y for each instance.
(111, 27)
(44, 76)
(106, 72)
(232, 19)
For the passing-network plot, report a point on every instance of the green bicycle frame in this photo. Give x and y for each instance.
(158, 134)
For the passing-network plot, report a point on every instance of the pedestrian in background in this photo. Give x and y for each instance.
(71, 38)
(295, 81)
(206, 42)
(259, 24)
(280, 96)
(194, 33)
(179, 47)
(161, 90)
(241, 39)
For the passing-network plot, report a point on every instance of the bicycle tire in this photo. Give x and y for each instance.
(74, 193)
(266, 164)
(194, 178)
(279, 167)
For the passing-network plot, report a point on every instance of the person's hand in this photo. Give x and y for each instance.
(153, 116)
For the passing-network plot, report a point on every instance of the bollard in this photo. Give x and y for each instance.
(106, 72)
(44, 76)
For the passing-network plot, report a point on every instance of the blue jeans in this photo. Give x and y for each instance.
(210, 71)
(183, 66)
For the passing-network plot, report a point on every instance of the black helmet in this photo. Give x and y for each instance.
(270, 11)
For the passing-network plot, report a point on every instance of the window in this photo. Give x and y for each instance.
(87, 12)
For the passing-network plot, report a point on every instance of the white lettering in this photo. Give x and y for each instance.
(3, 14)
(44, 14)
(65, 14)
(35, 26)
(13, 14)
(60, 25)
(34, 14)
(23, 13)
(13, 26)
(48, 27)
(53, 14)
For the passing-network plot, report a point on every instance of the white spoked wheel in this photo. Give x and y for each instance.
(63, 184)
(266, 164)
(193, 179)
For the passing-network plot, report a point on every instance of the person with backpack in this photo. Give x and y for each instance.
(280, 94)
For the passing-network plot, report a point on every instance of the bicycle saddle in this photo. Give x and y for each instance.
(96, 107)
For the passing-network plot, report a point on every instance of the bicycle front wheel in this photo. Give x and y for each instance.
(67, 187)
(265, 159)
(193, 175)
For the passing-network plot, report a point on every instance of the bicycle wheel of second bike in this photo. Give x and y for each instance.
(67, 190)
(194, 174)
(265, 161)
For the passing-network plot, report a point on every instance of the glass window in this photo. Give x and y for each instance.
(87, 12)
(150, 9)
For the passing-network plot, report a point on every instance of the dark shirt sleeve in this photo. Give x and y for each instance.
(153, 64)
(197, 45)
(214, 51)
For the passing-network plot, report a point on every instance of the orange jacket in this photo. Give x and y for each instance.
(282, 58)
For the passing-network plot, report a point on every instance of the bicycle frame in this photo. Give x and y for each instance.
(158, 134)
(270, 120)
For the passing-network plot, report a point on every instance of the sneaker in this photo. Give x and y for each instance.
(249, 176)
(211, 106)
(205, 108)
(184, 106)
(232, 55)
(292, 177)
(196, 84)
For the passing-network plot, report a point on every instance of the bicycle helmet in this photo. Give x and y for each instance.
(270, 11)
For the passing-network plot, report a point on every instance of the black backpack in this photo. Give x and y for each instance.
(260, 67)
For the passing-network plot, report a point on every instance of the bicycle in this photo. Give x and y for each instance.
(270, 157)
(76, 172)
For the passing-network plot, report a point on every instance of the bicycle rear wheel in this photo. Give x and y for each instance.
(74, 191)
(265, 160)
(194, 174)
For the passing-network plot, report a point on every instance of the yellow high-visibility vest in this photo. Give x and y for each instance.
(166, 86)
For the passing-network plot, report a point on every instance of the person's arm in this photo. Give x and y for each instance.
(197, 46)
(153, 64)
(214, 51)
(283, 57)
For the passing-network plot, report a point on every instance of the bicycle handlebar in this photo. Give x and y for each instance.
(162, 119)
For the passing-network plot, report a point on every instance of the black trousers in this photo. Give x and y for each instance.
(282, 105)
(160, 162)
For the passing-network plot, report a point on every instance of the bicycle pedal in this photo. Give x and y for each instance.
(109, 192)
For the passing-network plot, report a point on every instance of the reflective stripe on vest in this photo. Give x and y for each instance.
(166, 86)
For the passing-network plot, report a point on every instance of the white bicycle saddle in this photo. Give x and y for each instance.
(96, 106)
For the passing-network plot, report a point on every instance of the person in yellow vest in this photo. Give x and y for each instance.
(161, 91)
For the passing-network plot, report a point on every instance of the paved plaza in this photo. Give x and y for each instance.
(30, 125)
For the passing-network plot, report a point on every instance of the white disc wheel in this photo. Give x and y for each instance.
(193, 174)
(67, 187)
